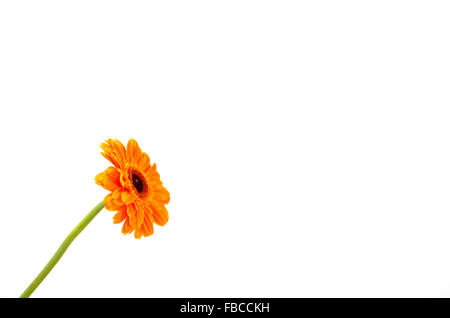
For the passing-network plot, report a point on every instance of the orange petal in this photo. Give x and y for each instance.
(127, 228)
(144, 162)
(147, 225)
(139, 216)
(160, 215)
(113, 201)
(133, 151)
(120, 151)
(108, 202)
(137, 233)
(162, 195)
(131, 212)
(137, 152)
(111, 153)
(127, 197)
(113, 173)
(151, 170)
(108, 180)
(120, 216)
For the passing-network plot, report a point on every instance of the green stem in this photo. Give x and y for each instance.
(59, 253)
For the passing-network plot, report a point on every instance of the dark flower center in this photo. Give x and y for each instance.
(138, 183)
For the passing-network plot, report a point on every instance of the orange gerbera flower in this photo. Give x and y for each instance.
(137, 192)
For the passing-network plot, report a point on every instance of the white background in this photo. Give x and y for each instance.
(305, 145)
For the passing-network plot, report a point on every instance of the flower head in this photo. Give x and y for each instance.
(137, 193)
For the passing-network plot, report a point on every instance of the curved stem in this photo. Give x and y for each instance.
(63, 247)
